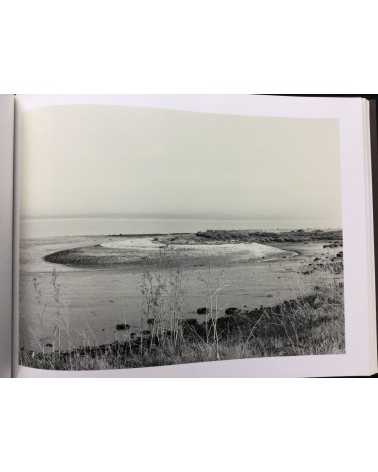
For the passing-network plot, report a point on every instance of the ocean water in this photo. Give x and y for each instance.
(49, 227)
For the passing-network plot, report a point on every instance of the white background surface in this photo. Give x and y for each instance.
(198, 47)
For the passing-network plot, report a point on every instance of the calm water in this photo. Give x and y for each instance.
(49, 227)
(93, 301)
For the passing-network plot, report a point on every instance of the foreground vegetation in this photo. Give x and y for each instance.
(305, 329)
(309, 325)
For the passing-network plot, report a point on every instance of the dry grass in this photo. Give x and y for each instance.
(310, 325)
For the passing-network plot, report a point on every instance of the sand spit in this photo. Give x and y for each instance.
(137, 251)
(202, 248)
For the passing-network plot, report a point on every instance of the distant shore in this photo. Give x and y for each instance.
(212, 235)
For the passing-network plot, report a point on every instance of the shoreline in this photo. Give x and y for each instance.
(255, 282)
(279, 330)
(216, 247)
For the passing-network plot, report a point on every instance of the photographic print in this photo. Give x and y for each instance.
(153, 237)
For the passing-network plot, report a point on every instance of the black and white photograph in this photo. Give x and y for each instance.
(154, 237)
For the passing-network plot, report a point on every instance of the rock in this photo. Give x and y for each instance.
(122, 327)
(232, 311)
(202, 311)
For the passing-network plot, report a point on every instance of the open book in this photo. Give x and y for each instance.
(187, 235)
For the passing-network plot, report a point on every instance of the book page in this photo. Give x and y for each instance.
(6, 232)
(193, 236)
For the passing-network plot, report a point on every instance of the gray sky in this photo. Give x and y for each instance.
(107, 160)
